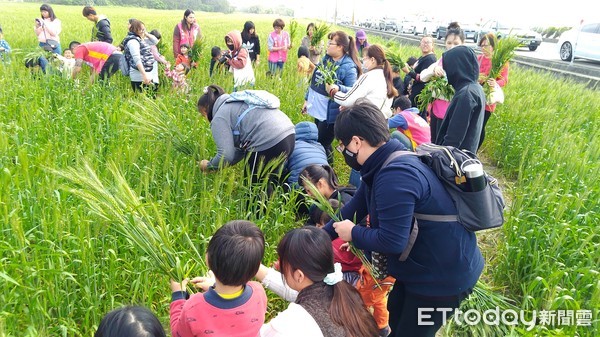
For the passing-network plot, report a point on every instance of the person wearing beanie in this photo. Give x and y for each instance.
(361, 41)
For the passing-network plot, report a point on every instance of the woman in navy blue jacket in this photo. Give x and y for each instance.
(341, 50)
(444, 263)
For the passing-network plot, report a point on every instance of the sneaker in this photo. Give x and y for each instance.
(384, 332)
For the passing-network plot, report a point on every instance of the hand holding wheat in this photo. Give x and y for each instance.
(344, 229)
(204, 282)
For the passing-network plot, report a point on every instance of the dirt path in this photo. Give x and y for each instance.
(491, 240)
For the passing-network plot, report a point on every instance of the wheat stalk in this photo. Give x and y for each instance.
(294, 31)
(328, 71)
(437, 87)
(197, 49)
(139, 223)
(153, 120)
(324, 205)
(503, 53)
(393, 56)
(319, 33)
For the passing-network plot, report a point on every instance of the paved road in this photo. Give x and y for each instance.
(545, 58)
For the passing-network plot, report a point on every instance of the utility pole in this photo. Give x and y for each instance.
(335, 13)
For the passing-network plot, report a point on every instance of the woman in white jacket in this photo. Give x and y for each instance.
(324, 304)
(47, 28)
(376, 84)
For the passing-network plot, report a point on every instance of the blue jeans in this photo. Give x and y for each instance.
(276, 67)
(404, 140)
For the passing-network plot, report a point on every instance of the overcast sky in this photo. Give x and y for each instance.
(526, 12)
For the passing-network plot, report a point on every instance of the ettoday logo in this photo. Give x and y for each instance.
(495, 317)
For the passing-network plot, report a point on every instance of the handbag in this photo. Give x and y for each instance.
(50, 44)
(496, 95)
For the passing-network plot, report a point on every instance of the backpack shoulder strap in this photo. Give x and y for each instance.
(236, 131)
(411, 241)
(415, 225)
(395, 155)
(436, 218)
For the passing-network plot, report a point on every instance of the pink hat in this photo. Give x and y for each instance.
(360, 34)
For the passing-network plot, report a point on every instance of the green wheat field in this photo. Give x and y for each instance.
(101, 198)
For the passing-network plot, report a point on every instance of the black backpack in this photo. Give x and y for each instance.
(126, 61)
(476, 211)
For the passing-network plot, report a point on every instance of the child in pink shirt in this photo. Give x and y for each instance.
(409, 124)
(230, 305)
(178, 76)
(154, 49)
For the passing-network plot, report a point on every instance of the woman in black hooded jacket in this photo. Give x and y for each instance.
(461, 127)
(251, 42)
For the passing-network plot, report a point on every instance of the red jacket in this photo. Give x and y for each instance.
(485, 65)
(349, 261)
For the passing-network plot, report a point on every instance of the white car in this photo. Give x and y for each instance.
(580, 42)
(527, 37)
(425, 26)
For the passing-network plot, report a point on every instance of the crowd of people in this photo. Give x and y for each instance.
(371, 113)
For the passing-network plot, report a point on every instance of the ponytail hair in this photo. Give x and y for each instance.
(347, 309)
(348, 46)
(208, 99)
(314, 173)
(454, 29)
(376, 52)
(309, 249)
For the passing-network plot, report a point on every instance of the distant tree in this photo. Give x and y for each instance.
(549, 32)
(253, 9)
(200, 5)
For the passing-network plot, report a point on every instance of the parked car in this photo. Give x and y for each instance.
(580, 42)
(469, 30)
(370, 23)
(406, 26)
(390, 24)
(425, 26)
(528, 37)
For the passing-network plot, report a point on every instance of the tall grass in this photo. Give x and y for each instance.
(546, 137)
(62, 266)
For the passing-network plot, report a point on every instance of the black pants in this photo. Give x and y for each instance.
(257, 160)
(404, 312)
(486, 117)
(434, 126)
(110, 67)
(326, 137)
(148, 89)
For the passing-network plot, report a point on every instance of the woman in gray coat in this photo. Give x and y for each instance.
(240, 130)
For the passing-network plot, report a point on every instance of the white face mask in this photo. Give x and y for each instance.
(366, 63)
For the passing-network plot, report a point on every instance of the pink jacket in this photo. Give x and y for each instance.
(52, 29)
(275, 41)
(181, 36)
(485, 65)
(418, 129)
